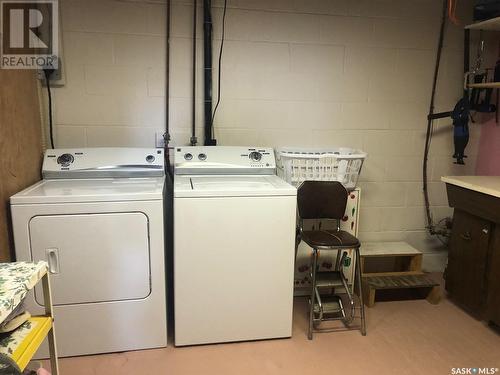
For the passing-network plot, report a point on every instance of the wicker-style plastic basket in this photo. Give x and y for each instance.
(342, 164)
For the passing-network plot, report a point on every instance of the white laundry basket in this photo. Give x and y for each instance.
(342, 164)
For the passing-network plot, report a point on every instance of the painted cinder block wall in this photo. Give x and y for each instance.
(295, 73)
(488, 160)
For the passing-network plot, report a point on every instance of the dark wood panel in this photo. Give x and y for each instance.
(473, 202)
(467, 261)
(20, 143)
(493, 312)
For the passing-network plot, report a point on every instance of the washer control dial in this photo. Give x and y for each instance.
(255, 156)
(65, 159)
(188, 156)
(202, 157)
(150, 158)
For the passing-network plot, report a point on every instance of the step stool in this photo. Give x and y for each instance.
(412, 277)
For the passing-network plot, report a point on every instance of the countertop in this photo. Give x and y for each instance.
(483, 184)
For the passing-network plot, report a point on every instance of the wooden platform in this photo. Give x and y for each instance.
(411, 277)
(408, 260)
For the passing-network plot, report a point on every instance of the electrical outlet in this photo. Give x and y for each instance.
(57, 79)
(160, 139)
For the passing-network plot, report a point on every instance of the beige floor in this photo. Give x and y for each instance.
(406, 337)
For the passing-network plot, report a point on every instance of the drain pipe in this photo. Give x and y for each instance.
(194, 139)
(166, 135)
(207, 71)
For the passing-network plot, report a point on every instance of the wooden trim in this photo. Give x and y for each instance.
(475, 203)
(434, 297)
(402, 273)
(47, 298)
(20, 144)
(416, 263)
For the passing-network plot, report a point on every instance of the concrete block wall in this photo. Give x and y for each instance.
(304, 73)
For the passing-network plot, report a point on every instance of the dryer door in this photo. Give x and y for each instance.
(93, 257)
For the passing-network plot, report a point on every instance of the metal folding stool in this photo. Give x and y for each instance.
(327, 200)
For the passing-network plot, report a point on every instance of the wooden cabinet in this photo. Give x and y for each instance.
(493, 301)
(466, 273)
(473, 271)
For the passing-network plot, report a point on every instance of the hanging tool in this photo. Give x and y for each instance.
(479, 98)
(460, 116)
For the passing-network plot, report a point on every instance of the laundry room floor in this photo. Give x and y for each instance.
(404, 337)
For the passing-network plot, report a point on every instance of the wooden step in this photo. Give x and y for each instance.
(381, 249)
(332, 307)
(329, 279)
(372, 283)
(404, 258)
(399, 282)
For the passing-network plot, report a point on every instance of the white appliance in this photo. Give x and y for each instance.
(97, 219)
(234, 235)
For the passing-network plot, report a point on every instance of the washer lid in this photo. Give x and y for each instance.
(96, 190)
(231, 186)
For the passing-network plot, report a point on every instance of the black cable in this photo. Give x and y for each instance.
(48, 73)
(193, 140)
(220, 62)
(430, 125)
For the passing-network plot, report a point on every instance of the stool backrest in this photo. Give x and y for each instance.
(321, 200)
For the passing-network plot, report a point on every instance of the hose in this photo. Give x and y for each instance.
(428, 137)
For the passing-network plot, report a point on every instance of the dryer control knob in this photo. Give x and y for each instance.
(150, 158)
(202, 157)
(65, 159)
(188, 156)
(255, 156)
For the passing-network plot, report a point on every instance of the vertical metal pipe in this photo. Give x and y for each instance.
(358, 276)
(167, 89)
(207, 71)
(313, 293)
(194, 140)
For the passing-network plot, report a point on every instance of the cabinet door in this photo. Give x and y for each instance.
(466, 271)
(494, 279)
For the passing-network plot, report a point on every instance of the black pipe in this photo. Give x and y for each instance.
(167, 91)
(439, 115)
(207, 71)
(194, 140)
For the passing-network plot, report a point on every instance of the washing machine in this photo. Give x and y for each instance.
(234, 238)
(97, 219)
